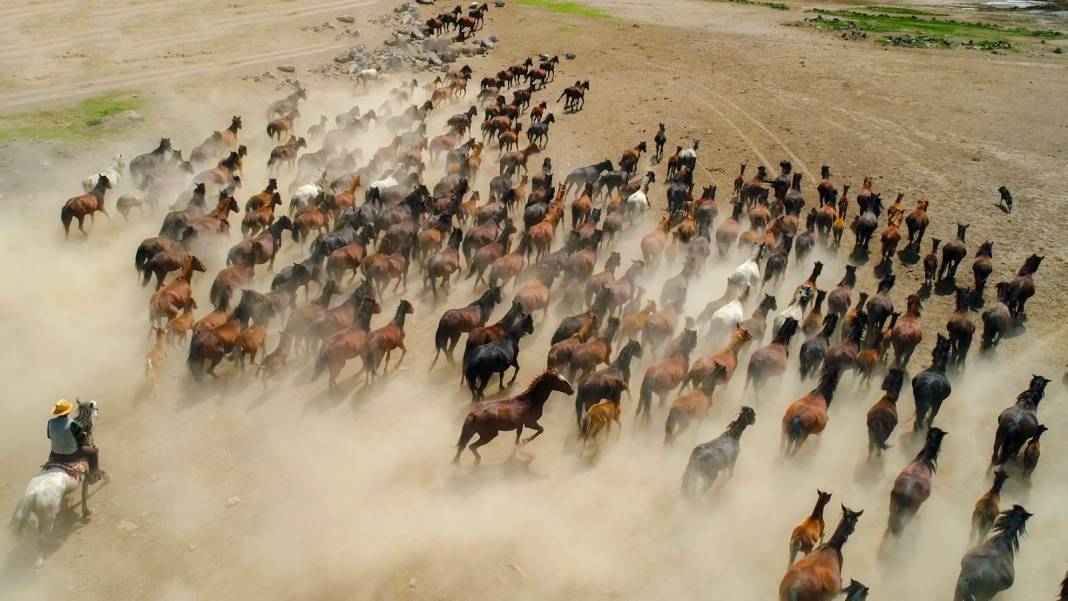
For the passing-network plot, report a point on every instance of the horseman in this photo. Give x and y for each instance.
(70, 441)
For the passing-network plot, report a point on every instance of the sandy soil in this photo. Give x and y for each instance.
(353, 498)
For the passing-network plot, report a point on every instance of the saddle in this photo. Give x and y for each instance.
(77, 469)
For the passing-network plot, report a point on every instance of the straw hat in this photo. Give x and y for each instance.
(62, 407)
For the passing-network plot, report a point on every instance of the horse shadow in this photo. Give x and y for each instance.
(859, 255)
(945, 287)
(884, 268)
(909, 255)
(925, 291)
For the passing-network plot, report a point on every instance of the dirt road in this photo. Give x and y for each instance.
(225, 491)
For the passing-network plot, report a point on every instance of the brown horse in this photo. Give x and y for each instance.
(586, 356)
(882, 417)
(1018, 423)
(274, 364)
(598, 418)
(487, 419)
(997, 319)
(982, 267)
(383, 341)
(179, 326)
(908, 332)
(686, 409)
(561, 351)
(387, 265)
(961, 329)
(256, 220)
(166, 302)
(1022, 287)
(262, 248)
(347, 343)
(987, 509)
(85, 205)
(486, 334)
(713, 370)
(282, 125)
(443, 264)
(344, 315)
(809, 532)
(770, 361)
(930, 263)
(301, 318)
(668, 374)
(607, 383)
(455, 322)
(534, 294)
(913, 485)
(917, 222)
(807, 416)
(952, 254)
(818, 575)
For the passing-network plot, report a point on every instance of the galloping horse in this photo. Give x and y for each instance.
(490, 418)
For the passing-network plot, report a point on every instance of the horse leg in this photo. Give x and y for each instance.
(85, 498)
(537, 431)
(483, 438)
(81, 221)
(515, 364)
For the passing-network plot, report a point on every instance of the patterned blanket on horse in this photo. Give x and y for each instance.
(75, 469)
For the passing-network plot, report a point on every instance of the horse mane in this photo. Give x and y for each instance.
(1010, 525)
(786, 332)
(828, 383)
(538, 379)
(928, 455)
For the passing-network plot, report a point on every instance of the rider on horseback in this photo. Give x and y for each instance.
(69, 441)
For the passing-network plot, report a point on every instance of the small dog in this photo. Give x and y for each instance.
(1006, 198)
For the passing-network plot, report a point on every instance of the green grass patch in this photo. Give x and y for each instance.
(880, 23)
(771, 5)
(84, 121)
(900, 10)
(570, 8)
(912, 31)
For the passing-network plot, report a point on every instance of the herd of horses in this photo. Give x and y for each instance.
(542, 235)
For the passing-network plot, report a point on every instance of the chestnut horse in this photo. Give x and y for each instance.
(489, 418)
(913, 485)
(807, 416)
(85, 205)
(175, 296)
(668, 374)
(818, 575)
(809, 532)
(383, 341)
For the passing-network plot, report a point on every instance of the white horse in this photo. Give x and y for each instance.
(367, 76)
(725, 319)
(638, 203)
(747, 274)
(796, 309)
(113, 173)
(45, 494)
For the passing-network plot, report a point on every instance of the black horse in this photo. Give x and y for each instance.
(1018, 423)
(586, 175)
(988, 568)
(495, 358)
(931, 386)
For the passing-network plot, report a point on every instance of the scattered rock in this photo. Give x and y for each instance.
(494, 39)
(434, 59)
(411, 582)
(126, 526)
(438, 46)
(192, 547)
(487, 43)
(344, 57)
(233, 501)
(517, 569)
(425, 1)
(543, 56)
(498, 3)
(122, 118)
(286, 68)
(569, 56)
(347, 19)
(1058, 50)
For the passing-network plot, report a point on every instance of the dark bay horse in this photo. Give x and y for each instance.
(988, 569)
(489, 418)
(818, 575)
(455, 322)
(1018, 423)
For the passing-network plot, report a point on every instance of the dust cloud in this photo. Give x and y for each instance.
(227, 491)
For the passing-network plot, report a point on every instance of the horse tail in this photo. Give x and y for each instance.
(467, 432)
(584, 424)
(670, 425)
(23, 510)
(895, 522)
(195, 360)
(65, 217)
(140, 257)
(645, 397)
(441, 338)
(796, 429)
(270, 129)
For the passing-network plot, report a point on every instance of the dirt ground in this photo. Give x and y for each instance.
(226, 491)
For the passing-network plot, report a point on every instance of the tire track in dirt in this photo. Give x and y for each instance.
(85, 89)
(107, 33)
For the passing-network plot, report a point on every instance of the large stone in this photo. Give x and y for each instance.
(434, 59)
(347, 19)
(487, 43)
(569, 56)
(286, 68)
(498, 3)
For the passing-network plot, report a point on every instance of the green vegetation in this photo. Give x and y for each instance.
(905, 28)
(571, 8)
(81, 122)
(772, 5)
(900, 10)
